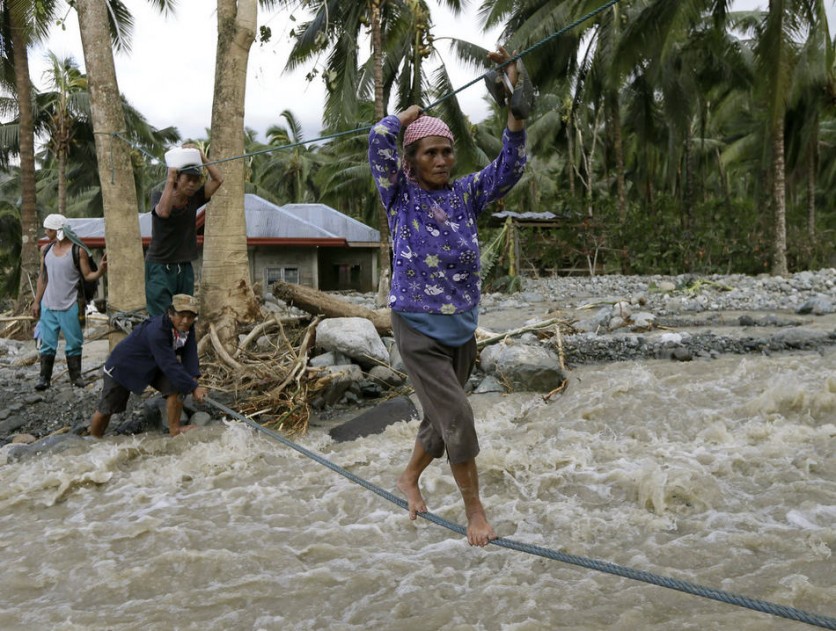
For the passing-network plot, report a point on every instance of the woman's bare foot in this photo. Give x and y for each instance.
(479, 531)
(414, 499)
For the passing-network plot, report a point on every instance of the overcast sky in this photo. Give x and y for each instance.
(169, 73)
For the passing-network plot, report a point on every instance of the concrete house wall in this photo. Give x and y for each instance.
(290, 264)
(348, 268)
(310, 244)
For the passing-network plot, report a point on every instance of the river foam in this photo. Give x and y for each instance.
(716, 472)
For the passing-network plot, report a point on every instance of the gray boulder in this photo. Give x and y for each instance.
(355, 337)
(340, 379)
(817, 305)
(523, 367)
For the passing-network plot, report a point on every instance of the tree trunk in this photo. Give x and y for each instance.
(29, 257)
(621, 189)
(688, 203)
(377, 55)
(779, 244)
(226, 296)
(570, 151)
(320, 303)
(812, 166)
(618, 150)
(62, 179)
(384, 259)
(724, 178)
(126, 278)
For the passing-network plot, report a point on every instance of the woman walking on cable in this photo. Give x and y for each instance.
(436, 283)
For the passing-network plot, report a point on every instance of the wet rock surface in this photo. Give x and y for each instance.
(613, 318)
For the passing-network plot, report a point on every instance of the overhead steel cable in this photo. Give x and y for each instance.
(366, 128)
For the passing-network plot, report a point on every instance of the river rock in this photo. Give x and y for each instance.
(375, 420)
(354, 337)
(817, 305)
(340, 379)
(525, 368)
(386, 376)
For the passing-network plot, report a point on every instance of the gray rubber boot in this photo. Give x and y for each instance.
(47, 362)
(522, 100)
(74, 368)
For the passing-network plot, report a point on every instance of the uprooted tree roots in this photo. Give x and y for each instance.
(271, 383)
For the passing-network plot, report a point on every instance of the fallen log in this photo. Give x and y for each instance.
(320, 303)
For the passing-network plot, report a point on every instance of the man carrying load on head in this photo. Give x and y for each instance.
(168, 262)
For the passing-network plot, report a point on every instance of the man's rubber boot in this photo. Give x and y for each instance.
(47, 362)
(496, 86)
(74, 368)
(522, 100)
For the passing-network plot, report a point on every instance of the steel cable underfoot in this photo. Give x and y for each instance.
(763, 606)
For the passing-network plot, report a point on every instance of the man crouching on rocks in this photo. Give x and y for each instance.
(160, 352)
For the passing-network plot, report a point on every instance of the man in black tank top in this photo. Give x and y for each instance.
(168, 262)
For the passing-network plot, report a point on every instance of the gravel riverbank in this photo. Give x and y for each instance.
(614, 318)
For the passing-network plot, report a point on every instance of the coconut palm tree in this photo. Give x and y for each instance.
(777, 54)
(811, 100)
(69, 102)
(102, 25)
(290, 172)
(20, 26)
(26, 21)
(225, 292)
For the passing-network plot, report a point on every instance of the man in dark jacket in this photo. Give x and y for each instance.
(160, 352)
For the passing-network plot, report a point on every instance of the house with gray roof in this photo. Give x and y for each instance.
(310, 244)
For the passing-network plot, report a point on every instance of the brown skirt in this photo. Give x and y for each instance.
(438, 373)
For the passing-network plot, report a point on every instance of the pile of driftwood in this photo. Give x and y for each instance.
(273, 384)
(15, 327)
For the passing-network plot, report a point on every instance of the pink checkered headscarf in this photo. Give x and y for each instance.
(425, 126)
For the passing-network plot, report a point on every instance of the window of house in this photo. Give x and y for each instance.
(291, 275)
(287, 274)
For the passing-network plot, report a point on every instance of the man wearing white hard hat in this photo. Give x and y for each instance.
(168, 262)
(57, 298)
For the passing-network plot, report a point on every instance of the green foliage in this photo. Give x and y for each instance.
(723, 238)
(10, 243)
(802, 253)
(505, 284)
